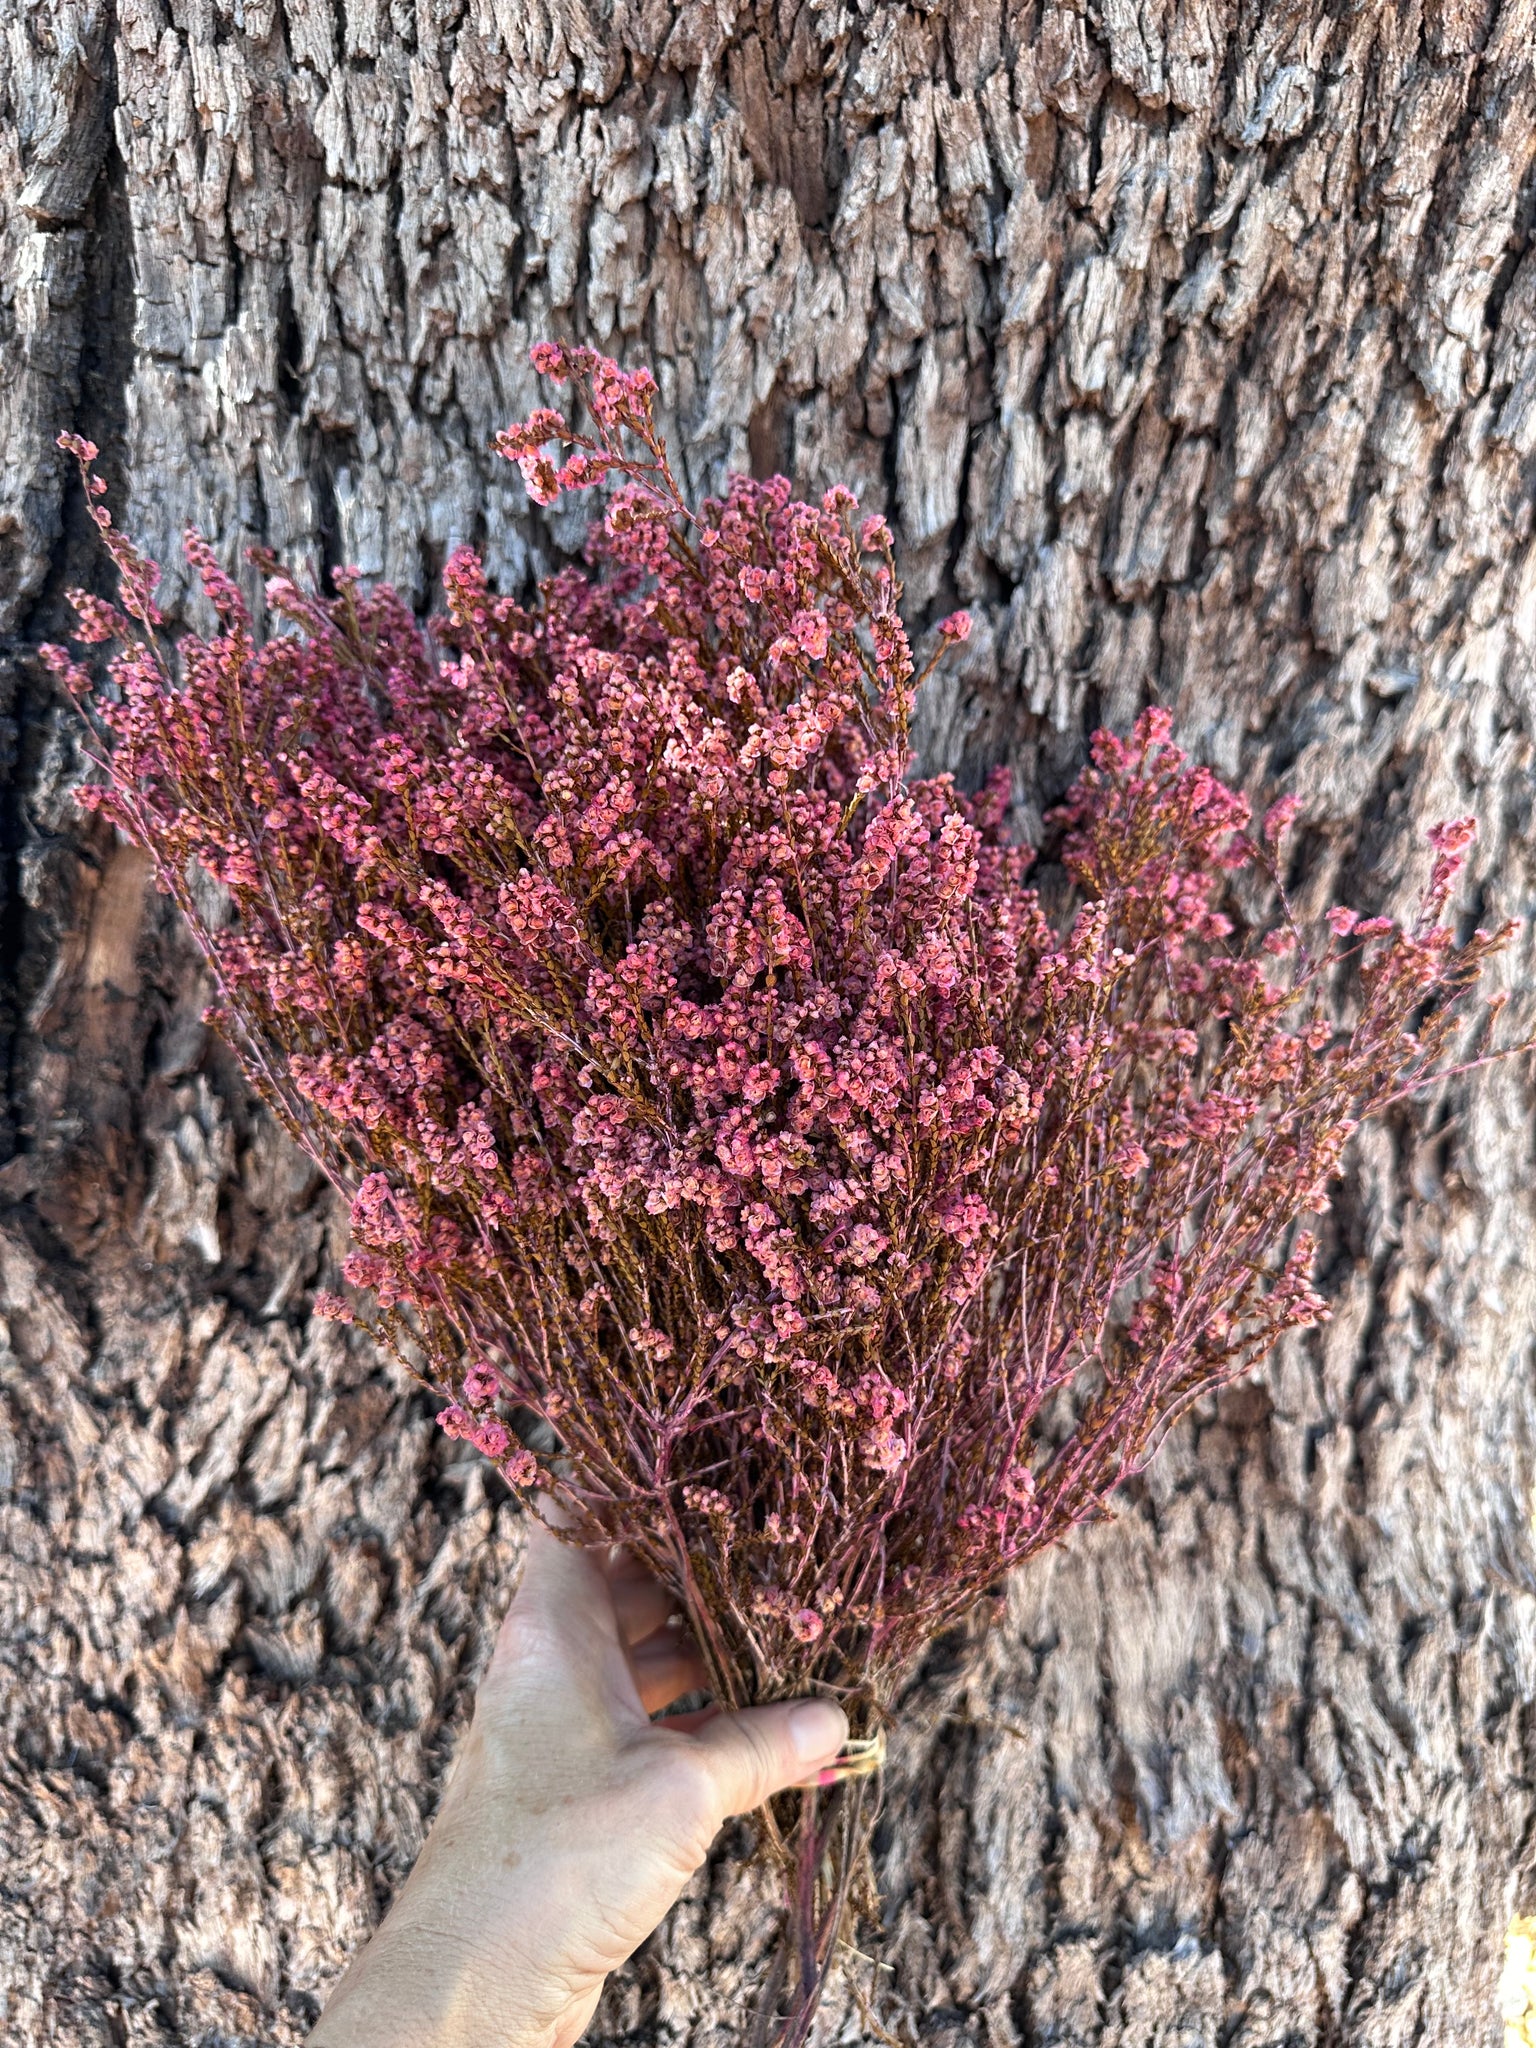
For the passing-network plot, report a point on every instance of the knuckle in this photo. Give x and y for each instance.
(762, 1773)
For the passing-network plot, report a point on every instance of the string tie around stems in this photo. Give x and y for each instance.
(861, 1758)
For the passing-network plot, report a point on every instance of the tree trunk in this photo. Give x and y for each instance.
(1193, 346)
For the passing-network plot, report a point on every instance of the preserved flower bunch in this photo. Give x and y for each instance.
(733, 1140)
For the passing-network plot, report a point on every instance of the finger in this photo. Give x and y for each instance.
(564, 1577)
(641, 1604)
(689, 1723)
(562, 1612)
(554, 1511)
(763, 1750)
(666, 1665)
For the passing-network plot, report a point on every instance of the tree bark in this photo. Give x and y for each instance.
(1192, 344)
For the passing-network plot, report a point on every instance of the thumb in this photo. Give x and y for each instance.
(762, 1750)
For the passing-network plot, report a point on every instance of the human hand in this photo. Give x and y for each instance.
(572, 1821)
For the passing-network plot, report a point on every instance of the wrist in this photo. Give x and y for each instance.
(414, 1986)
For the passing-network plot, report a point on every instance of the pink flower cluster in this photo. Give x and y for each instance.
(720, 1097)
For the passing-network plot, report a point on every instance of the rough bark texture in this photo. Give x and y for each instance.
(1192, 344)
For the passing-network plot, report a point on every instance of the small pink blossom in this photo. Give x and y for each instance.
(540, 477)
(519, 1467)
(813, 633)
(1454, 836)
(655, 1344)
(883, 1449)
(1280, 817)
(965, 1218)
(707, 1500)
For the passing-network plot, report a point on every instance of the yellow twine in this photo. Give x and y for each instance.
(855, 1760)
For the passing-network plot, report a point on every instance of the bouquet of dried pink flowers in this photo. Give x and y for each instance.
(732, 1139)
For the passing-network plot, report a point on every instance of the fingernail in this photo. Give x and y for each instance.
(817, 1729)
